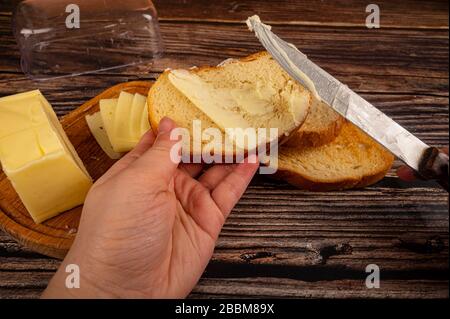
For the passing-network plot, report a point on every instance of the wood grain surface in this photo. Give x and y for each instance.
(280, 241)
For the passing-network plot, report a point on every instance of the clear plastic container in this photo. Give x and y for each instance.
(59, 38)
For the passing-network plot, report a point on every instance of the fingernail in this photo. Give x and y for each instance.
(165, 125)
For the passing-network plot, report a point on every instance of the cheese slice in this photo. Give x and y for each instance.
(120, 143)
(139, 103)
(145, 123)
(97, 128)
(121, 130)
(107, 112)
(38, 158)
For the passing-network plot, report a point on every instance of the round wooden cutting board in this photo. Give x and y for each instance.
(55, 236)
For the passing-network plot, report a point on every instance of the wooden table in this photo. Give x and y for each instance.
(280, 241)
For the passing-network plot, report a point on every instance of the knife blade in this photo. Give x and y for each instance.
(353, 107)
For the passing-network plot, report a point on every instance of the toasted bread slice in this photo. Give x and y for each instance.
(257, 77)
(352, 160)
(322, 126)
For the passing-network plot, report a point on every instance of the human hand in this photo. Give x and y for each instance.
(407, 174)
(148, 227)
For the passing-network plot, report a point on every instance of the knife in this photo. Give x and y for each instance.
(429, 162)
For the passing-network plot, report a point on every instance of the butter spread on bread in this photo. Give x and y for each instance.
(251, 92)
(257, 104)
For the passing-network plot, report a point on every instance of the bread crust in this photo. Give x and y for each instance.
(315, 185)
(302, 138)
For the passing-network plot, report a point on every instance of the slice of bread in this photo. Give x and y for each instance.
(352, 160)
(287, 100)
(322, 126)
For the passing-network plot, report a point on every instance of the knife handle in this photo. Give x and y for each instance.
(434, 165)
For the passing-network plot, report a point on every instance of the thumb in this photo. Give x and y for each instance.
(163, 157)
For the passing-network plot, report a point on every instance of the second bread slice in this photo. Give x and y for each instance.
(322, 126)
(352, 160)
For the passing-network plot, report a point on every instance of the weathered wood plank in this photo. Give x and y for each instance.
(299, 228)
(267, 288)
(288, 288)
(420, 14)
(386, 61)
(20, 293)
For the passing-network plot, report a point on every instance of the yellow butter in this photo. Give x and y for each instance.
(20, 116)
(218, 105)
(254, 101)
(38, 158)
(50, 185)
(16, 150)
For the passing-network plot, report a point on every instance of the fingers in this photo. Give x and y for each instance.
(191, 169)
(407, 174)
(230, 189)
(144, 144)
(162, 158)
(197, 202)
(213, 176)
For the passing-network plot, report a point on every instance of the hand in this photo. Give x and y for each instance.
(148, 227)
(407, 174)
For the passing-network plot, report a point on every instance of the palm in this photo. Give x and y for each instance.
(196, 225)
(160, 224)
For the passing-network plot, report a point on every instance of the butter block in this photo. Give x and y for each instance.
(38, 158)
(20, 114)
(23, 147)
(50, 185)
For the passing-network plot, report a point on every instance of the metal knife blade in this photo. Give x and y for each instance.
(343, 100)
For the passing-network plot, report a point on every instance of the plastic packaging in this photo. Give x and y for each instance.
(59, 38)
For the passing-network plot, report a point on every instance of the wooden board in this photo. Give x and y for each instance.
(55, 236)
